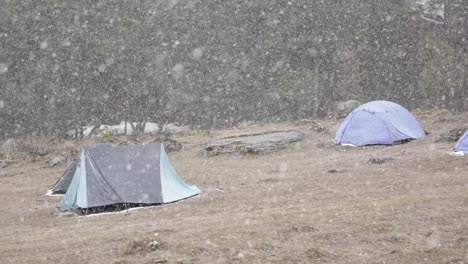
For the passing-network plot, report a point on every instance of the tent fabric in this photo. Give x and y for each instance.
(378, 122)
(106, 174)
(172, 186)
(62, 184)
(462, 144)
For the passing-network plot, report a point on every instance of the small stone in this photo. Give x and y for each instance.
(153, 245)
(378, 160)
(66, 214)
(59, 159)
(4, 164)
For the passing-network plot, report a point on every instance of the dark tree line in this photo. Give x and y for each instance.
(66, 64)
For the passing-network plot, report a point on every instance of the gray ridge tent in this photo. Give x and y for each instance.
(106, 174)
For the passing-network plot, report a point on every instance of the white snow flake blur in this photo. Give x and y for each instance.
(3, 68)
(43, 45)
(198, 53)
(261, 105)
(128, 167)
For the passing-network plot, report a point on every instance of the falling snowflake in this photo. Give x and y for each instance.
(3, 68)
(43, 45)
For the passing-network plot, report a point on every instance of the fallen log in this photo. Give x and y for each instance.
(256, 143)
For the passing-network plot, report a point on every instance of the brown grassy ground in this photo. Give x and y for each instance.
(312, 203)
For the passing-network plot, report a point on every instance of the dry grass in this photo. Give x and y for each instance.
(311, 203)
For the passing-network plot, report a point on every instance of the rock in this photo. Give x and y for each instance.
(343, 108)
(59, 159)
(121, 262)
(151, 127)
(153, 245)
(67, 214)
(256, 143)
(4, 163)
(334, 171)
(317, 254)
(378, 161)
(172, 145)
(171, 128)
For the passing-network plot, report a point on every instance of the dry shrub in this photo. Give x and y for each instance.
(435, 114)
(37, 146)
(9, 149)
(137, 246)
(452, 135)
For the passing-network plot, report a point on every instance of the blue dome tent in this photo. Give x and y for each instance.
(462, 144)
(378, 122)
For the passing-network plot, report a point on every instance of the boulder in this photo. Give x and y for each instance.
(256, 143)
(171, 145)
(59, 159)
(4, 163)
(343, 108)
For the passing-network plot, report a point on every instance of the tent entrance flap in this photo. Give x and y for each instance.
(173, 188)
(76, 195)
(462, 144)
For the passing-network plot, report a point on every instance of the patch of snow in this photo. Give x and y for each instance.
(87, 130)
(457, 153)
(348, 145)
(50, 193)
(173, 129)
(120, 128)
(150, 127)
(431, 11)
